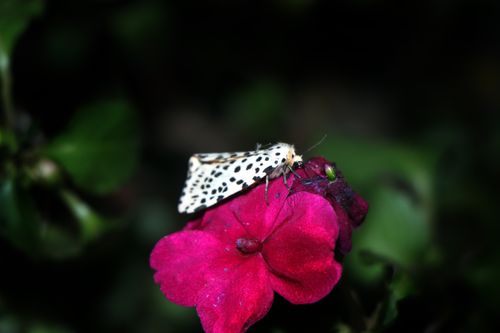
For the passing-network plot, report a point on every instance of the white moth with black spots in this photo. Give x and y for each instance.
(215, 176)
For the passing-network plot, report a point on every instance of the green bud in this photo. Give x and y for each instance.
(330, 173)
(46, 172)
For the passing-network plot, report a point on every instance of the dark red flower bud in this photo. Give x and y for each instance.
(322, 177)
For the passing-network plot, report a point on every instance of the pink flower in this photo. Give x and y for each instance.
(349, 206)
(229, 263)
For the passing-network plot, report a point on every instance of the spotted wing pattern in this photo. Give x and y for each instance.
(215, 176)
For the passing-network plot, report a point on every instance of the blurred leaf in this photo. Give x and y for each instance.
(7, 141)
(366, 162)
(19, 220)
(395, 229)
(483, 276)
(91, 224)
(178, 316)
(58, 243)
(342, 328)
(100, 147)
(397, 182)
(137, 24)
(258, 108)
(47, 328)
(400, 287)
(156, 218)
(12, 324)
(9, 324)
(14, 18)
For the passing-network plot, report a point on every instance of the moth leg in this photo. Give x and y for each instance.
(293, 171)
(265, 193)
(284, 179)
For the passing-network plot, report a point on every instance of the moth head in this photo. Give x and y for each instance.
(293, 159)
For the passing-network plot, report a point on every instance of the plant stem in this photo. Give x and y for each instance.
(6, 82)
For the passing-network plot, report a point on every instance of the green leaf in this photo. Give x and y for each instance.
(19, 220)
(400, 287)
(58, 242)
(14, 18)
(99, 149)
(8, 141)
(342, 328)
(91, 224)
(366, 162)
(395, 229)
(397, 182)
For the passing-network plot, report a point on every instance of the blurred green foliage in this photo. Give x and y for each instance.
(82, 202)
(98, 150)
(397, 182)
(14, 18)
(100, 146)
(20, 221)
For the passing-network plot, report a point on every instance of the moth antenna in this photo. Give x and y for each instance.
(264, 145)
(316, 144)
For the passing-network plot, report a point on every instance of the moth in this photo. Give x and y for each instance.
(215, 176)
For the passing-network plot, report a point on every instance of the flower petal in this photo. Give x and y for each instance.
(300, 251)
(230, 290)
(255, 213)
(222, 224)
(233, 301)
(182, 260)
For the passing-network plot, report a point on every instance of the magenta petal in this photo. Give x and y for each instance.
(230, 290)
(223, 225)
(181, 261)
(193, 224)
(234, 300)
(254, 213)
(300, 253)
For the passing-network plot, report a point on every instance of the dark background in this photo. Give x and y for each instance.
(406, 92)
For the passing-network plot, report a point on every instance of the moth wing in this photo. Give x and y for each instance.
(208, 183)
(219, 157)
(200, 181)
(215, 176)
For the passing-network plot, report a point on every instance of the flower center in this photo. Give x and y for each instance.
(248, 246)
